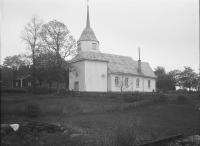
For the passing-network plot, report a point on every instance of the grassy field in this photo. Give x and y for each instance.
(101, 116)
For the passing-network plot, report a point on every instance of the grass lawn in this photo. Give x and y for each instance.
(100, 115)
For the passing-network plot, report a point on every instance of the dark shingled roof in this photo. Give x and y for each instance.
(89, 56)
(88, 35)
(117, 64)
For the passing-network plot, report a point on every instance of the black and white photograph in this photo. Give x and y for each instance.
(100, 72)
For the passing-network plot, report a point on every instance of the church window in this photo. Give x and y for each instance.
(137, 82)
(116, 81)
(94, 46)
(149, 83)
(126, 81)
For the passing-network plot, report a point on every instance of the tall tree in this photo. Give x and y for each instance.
(57, 42)
(7, 76)
(40, 65)
(174, 76)
(30, 35)
(161, 77)
(189, 78)
(14, 62)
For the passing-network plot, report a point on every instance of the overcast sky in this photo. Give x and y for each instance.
(167, 31)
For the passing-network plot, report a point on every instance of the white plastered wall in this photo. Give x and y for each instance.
(80, 78)
(96, 76)
(143, 83)
(115, 88)
(139, 88)
(152, 84)
(86, 46)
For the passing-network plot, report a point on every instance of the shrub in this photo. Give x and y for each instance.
(15, 90)
(73, 108)
(41, 90)
(122, 135)
(160, 97)
(190, 91)
(182, 98)
(132, 97)
(32, 109)
(29, 88)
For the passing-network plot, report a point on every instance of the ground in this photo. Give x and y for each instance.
(99, 114)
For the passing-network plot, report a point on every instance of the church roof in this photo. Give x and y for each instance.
(88, 33)
(117, 64)
(89, 56)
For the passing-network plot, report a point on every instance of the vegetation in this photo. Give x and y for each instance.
(184, 79)
(58, 44)
(49, 45)
(30, 35)
(104, 118)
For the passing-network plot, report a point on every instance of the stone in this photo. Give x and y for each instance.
(66, 132)
(14, 126)
(6, 129)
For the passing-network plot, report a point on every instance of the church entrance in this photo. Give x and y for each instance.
(76, 86)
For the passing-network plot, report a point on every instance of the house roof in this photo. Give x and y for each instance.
(22, 77)
(117, 64)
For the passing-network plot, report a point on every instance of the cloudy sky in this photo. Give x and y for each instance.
(167, 31)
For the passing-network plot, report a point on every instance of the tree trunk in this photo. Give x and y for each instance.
(58, 82)
(34, 79)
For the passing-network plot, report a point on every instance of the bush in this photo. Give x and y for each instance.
(182, 98)
(160, 97)
(14, 90)
(29, 88)
(32, 109)
(41, 90)
(132, 97)
(122, 135)
(190, 92)
(125, 135)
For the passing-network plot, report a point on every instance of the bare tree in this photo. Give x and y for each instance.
(31, 36)
(123, 83)
(58, 43)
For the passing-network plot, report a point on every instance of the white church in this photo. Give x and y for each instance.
(101, 72)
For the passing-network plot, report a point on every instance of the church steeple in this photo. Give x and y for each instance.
(88, 16)
(88, 41)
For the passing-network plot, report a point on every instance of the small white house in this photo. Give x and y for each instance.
(101, 72)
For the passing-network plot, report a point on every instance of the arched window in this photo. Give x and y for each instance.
(126, 81)
(149, 83)
(137, 82)
(116, 81)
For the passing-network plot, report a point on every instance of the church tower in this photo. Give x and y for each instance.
(88, 41)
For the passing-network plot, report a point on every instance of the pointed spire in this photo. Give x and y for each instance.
(139, 53)
(88, 17)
